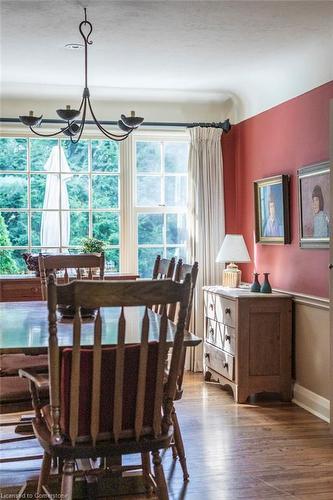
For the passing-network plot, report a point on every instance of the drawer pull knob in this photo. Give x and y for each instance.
(207, 355)
(227, 338)
(225, 365)
(211, 331)
(227, 310)
(211, 307)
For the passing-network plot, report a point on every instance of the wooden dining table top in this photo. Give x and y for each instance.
(24, 327)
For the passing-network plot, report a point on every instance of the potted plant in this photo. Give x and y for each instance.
(92, 245)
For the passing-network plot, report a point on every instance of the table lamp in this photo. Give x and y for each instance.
(233, 249)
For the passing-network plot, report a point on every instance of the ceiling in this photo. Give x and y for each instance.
(259, 53)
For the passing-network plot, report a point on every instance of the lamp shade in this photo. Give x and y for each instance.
(233, 249)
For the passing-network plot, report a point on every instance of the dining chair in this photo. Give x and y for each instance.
(180, 273)
(163, 268)
(110, 401)
(83, 264)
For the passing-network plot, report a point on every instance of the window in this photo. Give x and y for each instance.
(161, 200)
(131, 195)
(53, 193)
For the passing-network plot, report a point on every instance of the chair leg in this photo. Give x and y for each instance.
(67, 480)
(179, 445)
(162, 489)
(174, 451)
(44, 473)
(146, 470)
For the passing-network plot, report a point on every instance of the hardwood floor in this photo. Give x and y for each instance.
(265, 450)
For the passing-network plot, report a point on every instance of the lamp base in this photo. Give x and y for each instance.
(232, 276)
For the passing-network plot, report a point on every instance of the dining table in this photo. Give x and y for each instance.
(24, 328)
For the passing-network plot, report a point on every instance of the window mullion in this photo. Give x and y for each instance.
(28, 196)
(127, 232)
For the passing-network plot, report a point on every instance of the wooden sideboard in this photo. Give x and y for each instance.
(248, 341)
(17, 288)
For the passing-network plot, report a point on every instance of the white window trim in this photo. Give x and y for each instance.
(132, 236)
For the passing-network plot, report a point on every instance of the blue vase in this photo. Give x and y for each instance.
(255, 287)
(266, 287)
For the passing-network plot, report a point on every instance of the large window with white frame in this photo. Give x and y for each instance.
(131, 195)
(54, 193)
(160, 199)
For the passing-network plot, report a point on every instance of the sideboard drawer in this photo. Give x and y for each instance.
(219, 361)
(22, 290)
(228, 339)
(210, 305)
(214, 333)
(225, 311)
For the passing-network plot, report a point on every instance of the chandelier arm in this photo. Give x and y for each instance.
(110, 135)
(115, 138)
(82, 100)
(83, 122)
(48, 135)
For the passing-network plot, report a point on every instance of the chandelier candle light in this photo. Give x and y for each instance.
(73, 129)
(233, 249)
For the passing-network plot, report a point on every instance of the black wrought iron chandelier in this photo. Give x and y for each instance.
(74, 127)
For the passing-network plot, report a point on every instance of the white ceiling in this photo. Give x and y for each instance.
(258, 53)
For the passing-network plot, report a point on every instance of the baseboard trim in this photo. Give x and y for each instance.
(312, 402)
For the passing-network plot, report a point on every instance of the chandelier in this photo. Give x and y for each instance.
(74, 127)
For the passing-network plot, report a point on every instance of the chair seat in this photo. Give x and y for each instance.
(11, 363)
(101, 449)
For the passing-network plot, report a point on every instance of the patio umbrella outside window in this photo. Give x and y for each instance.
(54, 223)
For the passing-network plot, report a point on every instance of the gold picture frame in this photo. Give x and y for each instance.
(272, 217)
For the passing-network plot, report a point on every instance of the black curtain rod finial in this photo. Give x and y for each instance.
(225, 126)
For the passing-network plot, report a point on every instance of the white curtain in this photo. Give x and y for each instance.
(50, 226)
(206, 219)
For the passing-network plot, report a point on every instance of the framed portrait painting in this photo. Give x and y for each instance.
(271, 197)
(314, 205)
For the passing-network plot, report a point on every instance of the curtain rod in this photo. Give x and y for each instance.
(225, 126)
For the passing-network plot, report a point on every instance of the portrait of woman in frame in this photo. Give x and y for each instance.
(313, 202)
(271, 197)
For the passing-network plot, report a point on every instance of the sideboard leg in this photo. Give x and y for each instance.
(240, 395)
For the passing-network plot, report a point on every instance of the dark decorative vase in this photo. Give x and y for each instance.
(255, 287)
(266, 287)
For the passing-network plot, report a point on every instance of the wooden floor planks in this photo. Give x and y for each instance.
(265, 450)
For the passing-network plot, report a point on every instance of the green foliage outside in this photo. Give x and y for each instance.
(7, 263)
(14, 194)
(165, 232)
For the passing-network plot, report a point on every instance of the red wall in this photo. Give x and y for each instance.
(278, 141)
